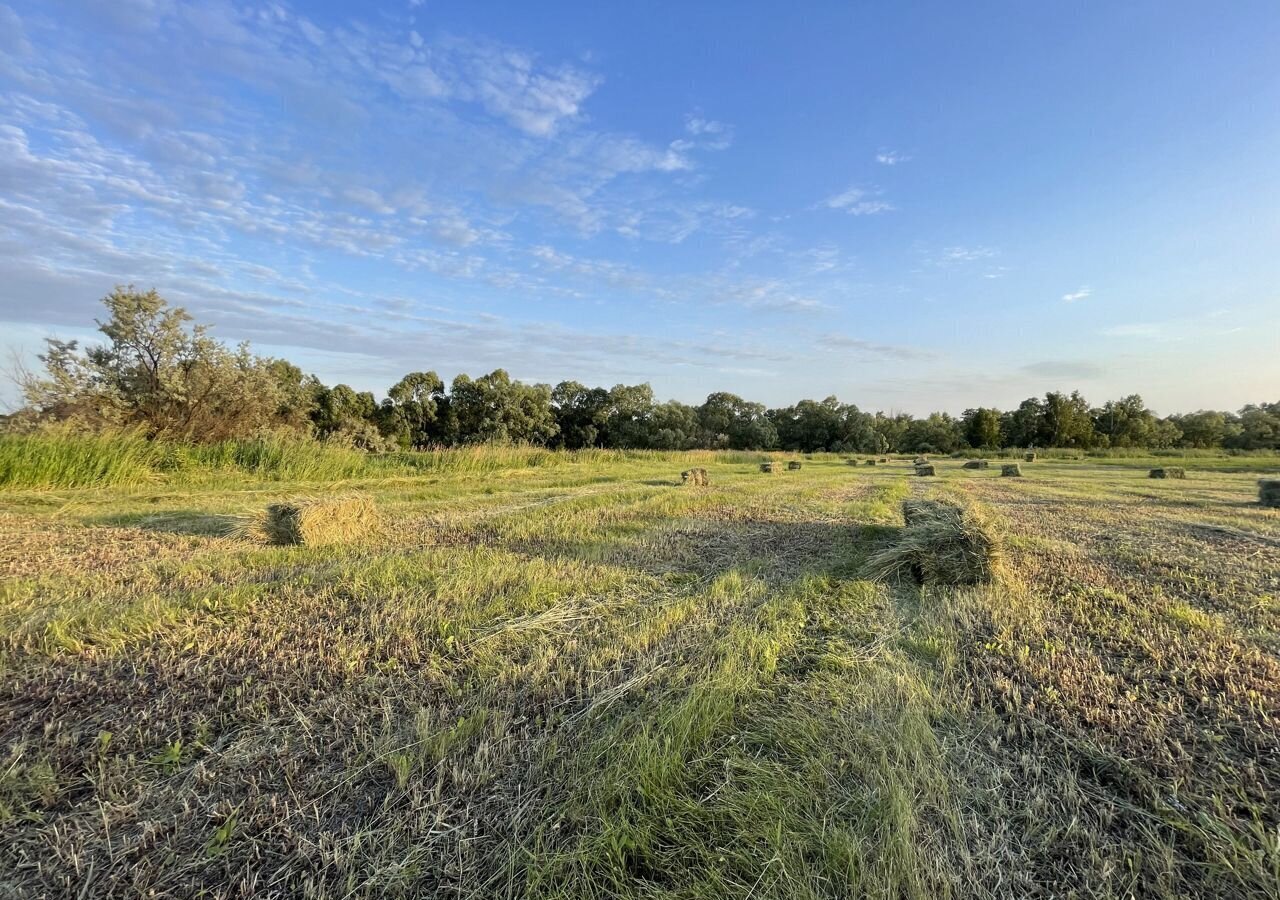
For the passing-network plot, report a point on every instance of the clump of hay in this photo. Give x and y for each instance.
(884, 459)
(696, 477)
(851, 462)
(870, 462)
(1012, 470)
(1168, 472)
(1269, 493)
(793, 465)
(1029, 457)
(921, 460)
(766, 467)
(941, 544)
(319, 521)
(925, 469)
(976, 464)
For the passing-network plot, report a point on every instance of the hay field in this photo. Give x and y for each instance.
(585, 680)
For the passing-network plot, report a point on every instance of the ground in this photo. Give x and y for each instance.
(585, 679)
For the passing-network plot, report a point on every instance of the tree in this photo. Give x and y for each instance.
(982, 428)
(1067, 421)
(1024, 426)
(940, 433)
(159, 372)
(581, 414)
(409, 414)
(493, 408)
(728, 420)
(1125, 422)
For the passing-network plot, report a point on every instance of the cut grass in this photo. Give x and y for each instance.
(565, 676)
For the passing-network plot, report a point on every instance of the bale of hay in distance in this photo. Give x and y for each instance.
(793, 465)
(921, 460)
(319, 521)
(884, 459)
(851, 462)
(1029, 457)
(766, 467)
(976, 464)
(1012, 470)
(1168, 472)
(941, 544)
(695, 477)
(1269, 492)
(925, 469)
(870, 462)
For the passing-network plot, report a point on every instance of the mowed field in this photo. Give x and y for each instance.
(585, 680)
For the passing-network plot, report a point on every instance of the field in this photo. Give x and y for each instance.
(572, 676)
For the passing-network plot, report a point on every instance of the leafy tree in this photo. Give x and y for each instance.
(581, 414)
(409, 415)
(982, 428)
(1067, 421)
(1259, 427)
(159, 372)
(495, 408)
(728, 420)
(940, 433)
(1125, 422)
(1025, 426)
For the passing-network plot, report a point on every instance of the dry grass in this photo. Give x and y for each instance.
(318, 521)
(925, 469)
(574, 679)
(1168, 472)
(941, 544)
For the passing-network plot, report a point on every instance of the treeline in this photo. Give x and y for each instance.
(158, 372)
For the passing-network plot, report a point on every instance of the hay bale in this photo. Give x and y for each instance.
(884, 459)
(1029, 457)
(319, 521)
(1269, 492)
(941, 544)
(1012, 470)
(921, 460)
(976, 464)
(1168, 472)
(766, 467)
(925, 469)
(870, 462)
(793, 466)
(851, 462)
(697, 477)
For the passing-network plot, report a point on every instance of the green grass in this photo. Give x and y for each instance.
(567, 675)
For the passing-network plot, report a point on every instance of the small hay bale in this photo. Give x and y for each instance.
(921, 460)
(870, 462)
(766, 467)
(697, 477)
(1029, 457)
(1269, 492)
(1012, 470)
(793, 466)
(319, 521)
(851, 462)
(1168, 472)
(941, 544)
(976, 464)
(883, 460)
(925, 469)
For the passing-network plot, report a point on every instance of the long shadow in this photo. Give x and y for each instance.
(177, 521)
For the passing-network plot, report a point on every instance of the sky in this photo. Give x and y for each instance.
(912, 206)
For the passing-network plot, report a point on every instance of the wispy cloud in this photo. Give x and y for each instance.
(858, 201)
(891, 157)
(852, 346)
(1076, 295)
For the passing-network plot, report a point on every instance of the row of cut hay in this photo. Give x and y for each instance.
(944, 544)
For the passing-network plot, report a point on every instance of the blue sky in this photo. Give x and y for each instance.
(913, 206)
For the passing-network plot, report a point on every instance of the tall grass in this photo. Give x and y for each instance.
(65, 458)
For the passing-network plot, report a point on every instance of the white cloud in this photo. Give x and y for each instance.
(1076, 295)
(857, 202)
(891, 158)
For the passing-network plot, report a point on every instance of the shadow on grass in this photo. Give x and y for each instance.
(178, 521)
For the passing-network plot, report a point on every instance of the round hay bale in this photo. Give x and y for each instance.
(1168, 472)
(1029, 457)
(925, 469)
(1269, 492)
(766, 467)
(696, 477)
(319, 521)
(793, 466)
(1012, 470)
(976, 464)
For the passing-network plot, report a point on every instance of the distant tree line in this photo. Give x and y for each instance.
(159, 372)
